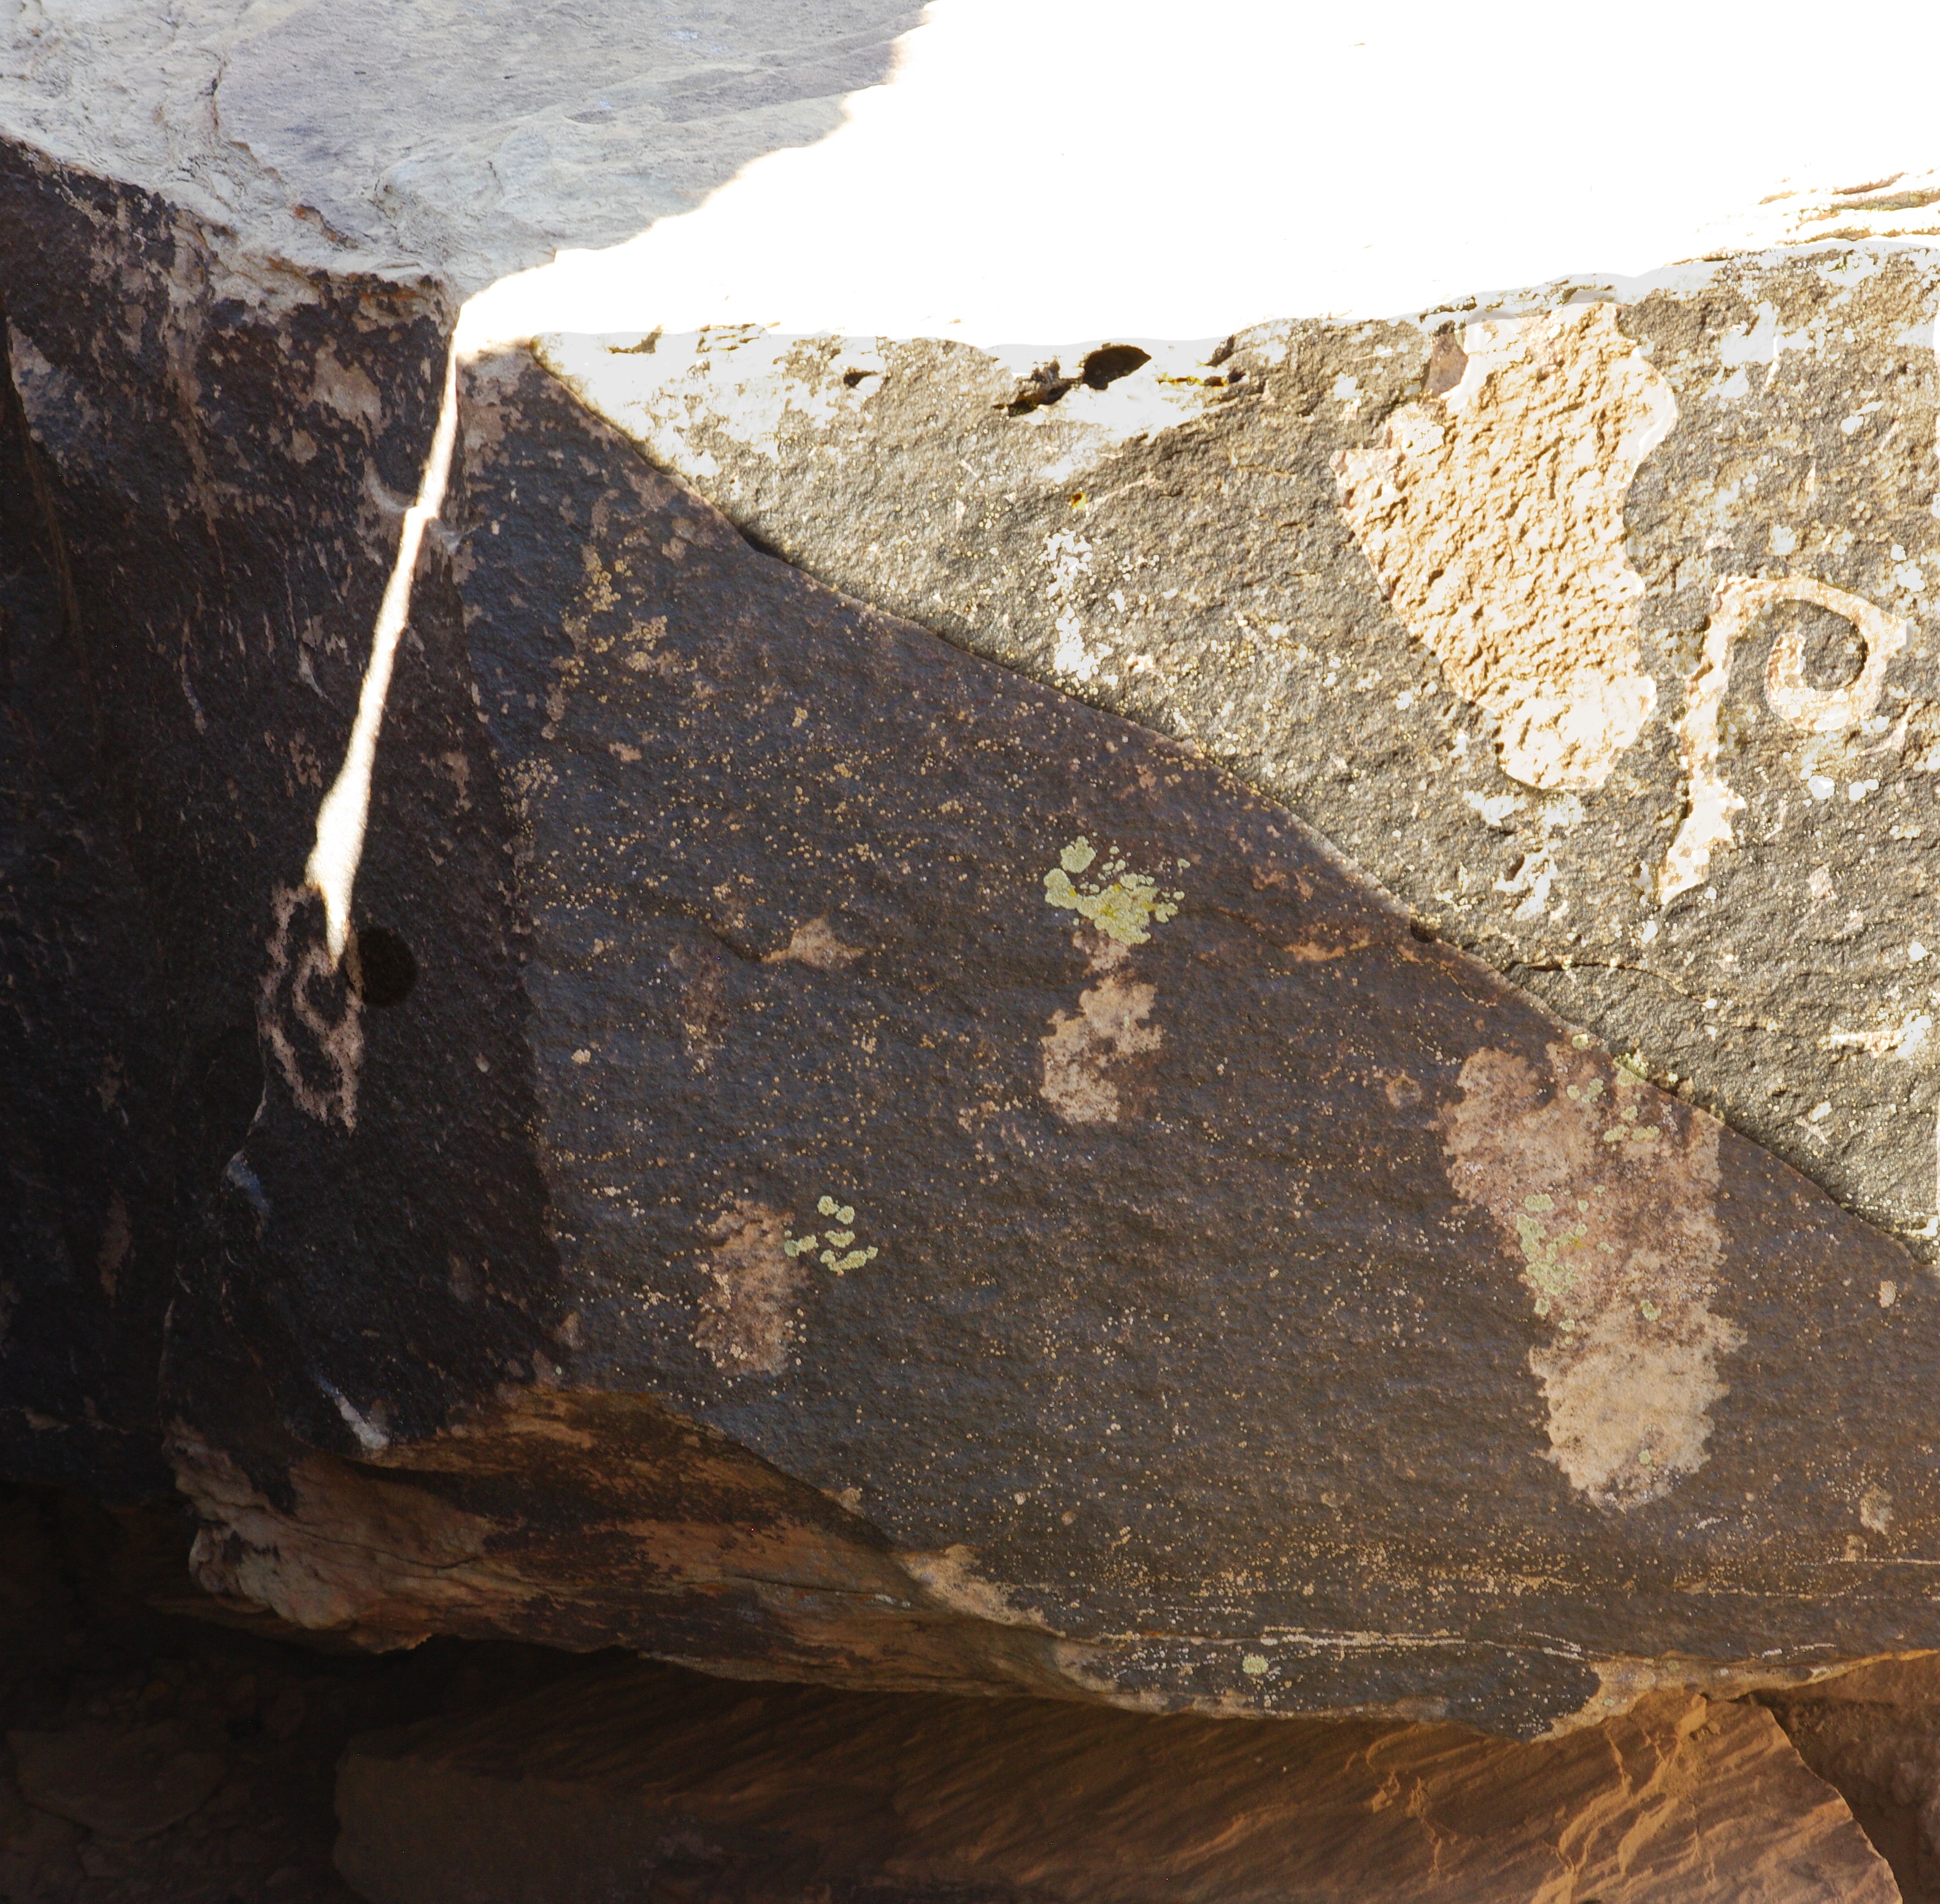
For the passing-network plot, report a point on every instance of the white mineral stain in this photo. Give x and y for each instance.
(1071, 656)
(1069, 556)
(1494, 810)
(1531, 610)
(1533, 879)
(1903, 1040)
(1606, 1190)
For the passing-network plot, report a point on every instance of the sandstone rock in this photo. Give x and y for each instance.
(645, 1779)
(1874, 1735)
(97, 1690)
(658, 1100)
(121, 1782)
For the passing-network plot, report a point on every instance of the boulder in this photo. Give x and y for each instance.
(643, 1780)
(1874, 1734)
(1233, 1025)
(123, 1783)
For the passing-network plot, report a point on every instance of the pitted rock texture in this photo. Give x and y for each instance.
(1082, 1213)
(588, 1789)
(1598, 628)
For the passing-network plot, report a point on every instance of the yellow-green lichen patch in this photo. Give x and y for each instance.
(837, 1244)
(1627, 1130)
(1548, 1276)
(1122, 904)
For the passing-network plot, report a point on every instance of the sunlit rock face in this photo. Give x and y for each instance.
(1236, 1024)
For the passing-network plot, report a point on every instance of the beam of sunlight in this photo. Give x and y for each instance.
(345, 811)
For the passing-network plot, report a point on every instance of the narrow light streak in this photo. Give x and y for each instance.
(331, 871)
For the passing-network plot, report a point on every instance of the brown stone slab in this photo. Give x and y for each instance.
(644, 1780)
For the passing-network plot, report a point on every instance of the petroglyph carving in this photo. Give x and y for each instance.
(1607, 1190)
(1084, 1047)
(815, 944)
(308, 1014)
(748, 1319)
(1739, 601)
(1493, 514)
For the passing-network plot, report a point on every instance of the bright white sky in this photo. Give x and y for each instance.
(1056, 170)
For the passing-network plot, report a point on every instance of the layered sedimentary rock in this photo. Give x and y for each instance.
(643, 1776)
(1237, 1025)
(1875, 1734)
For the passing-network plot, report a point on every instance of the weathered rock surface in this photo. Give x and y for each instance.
(344, 136)
(821, 1156)
(1875, 1734)
(645, 1778)
(1597, 629)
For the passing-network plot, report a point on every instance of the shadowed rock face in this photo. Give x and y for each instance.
(1597, 628)
(639, 1772)
(1875, 1734)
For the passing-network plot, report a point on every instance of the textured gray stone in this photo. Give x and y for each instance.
(465, 140)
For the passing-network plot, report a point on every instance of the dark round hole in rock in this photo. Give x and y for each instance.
(381, 969)
(1831, 651)
(1109, 362)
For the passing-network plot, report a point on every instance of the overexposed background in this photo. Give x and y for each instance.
(1064, 169)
